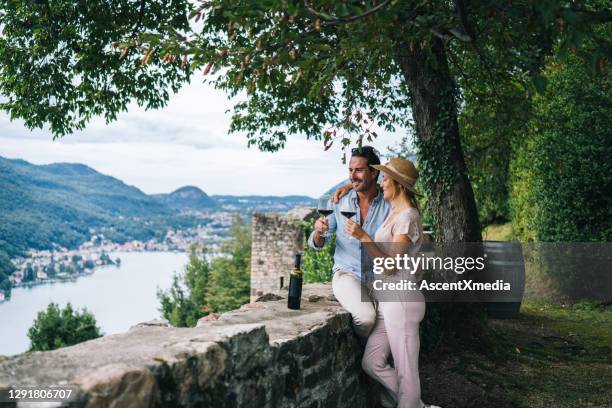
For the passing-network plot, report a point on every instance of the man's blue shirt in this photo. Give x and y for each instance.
(348, 249)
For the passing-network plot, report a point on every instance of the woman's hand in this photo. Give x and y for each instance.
(341, 192)
(355, 231)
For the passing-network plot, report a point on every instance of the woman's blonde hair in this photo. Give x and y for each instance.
(398, 188)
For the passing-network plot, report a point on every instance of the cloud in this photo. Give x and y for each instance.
(186, 143)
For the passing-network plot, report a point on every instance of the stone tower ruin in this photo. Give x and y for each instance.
(276, 239)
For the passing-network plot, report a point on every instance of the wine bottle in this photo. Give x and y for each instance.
(295, 285)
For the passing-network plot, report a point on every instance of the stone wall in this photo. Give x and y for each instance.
(262, 355)
(276, 239)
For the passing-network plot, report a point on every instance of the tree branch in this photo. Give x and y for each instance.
(342, 20)
(140, 19)
(462, 12)
(595, 17)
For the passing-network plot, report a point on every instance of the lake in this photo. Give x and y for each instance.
(119, 297)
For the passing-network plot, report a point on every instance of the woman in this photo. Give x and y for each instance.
(396, 330)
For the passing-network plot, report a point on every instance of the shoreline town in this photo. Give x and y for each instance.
(61, 264)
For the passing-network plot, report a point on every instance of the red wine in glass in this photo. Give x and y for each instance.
(325, 208)
(349, 211)
(348, 214)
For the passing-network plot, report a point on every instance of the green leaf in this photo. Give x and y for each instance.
(540, 82)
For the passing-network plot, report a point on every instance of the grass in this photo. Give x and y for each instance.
(498, 232)
(552, 356)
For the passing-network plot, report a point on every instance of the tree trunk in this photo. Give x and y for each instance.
(441, 162)
(442, 168)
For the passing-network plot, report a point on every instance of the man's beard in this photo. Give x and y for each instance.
(364, 185)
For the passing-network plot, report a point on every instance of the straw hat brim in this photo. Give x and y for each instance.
(397, 177)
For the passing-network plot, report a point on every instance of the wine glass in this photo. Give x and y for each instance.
(348, 210)
(325, 208)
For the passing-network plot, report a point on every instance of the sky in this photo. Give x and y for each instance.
(186, 143)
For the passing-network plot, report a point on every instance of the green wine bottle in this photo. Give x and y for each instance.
(295, 284)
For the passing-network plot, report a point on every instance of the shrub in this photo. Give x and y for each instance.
(563, 172)
(318, 265)
(210, 285)
(55, 328)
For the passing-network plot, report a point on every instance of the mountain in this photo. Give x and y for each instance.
(59, 204)
(42, 205)
(252, 203)
(188, 198)
(70, 186)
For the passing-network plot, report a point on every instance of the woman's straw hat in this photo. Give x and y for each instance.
(402, 171)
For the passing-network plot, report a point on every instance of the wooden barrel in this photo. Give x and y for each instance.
(504, 260)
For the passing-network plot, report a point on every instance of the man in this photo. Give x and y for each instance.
(372, 210)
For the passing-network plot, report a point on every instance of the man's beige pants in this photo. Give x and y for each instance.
(349, 291)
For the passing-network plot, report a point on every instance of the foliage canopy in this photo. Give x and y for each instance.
(324, 69)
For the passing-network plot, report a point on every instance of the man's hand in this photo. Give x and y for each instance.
(321, 227)
(341, 192)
